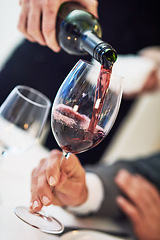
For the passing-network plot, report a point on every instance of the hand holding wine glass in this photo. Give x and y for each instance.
(83, 113)
(58, 187)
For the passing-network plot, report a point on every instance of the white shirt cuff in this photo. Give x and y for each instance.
(95, 196)
(135, 70)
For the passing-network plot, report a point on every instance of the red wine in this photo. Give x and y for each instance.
(71, 130)
(100, 93)
(76, 132)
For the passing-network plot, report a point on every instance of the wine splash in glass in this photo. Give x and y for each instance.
(85, 107)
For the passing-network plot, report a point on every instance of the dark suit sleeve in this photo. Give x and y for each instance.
(148, 167)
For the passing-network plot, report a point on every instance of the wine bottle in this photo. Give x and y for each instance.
(79, 32)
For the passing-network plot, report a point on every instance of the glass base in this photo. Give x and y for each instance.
(39, 220)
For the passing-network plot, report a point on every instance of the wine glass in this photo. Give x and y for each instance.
(85, 107)
(22, 118)
(83, 112)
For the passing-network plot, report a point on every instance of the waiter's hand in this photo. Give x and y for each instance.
(37, 20)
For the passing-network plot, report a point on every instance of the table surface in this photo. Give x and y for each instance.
(15, 171)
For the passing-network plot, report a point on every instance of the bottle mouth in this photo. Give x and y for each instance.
(111, 55)
(108, 59)
(105, 54)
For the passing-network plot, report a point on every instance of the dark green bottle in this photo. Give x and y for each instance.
(79, 33)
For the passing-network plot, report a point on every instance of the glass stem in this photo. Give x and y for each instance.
(2, 151)
(65, 156)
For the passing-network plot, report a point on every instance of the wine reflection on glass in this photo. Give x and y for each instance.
(83, 112)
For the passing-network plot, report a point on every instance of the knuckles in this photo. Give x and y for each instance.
(24, 2)
(48, 3)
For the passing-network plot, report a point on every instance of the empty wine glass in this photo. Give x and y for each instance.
(22, 118)
(83, 113)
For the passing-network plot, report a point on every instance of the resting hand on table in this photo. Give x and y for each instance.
(37, 20)
(142, 206)
(59, 185)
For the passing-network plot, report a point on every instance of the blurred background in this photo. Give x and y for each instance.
(9, 35)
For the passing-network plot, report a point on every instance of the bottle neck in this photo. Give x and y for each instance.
(99, 50)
